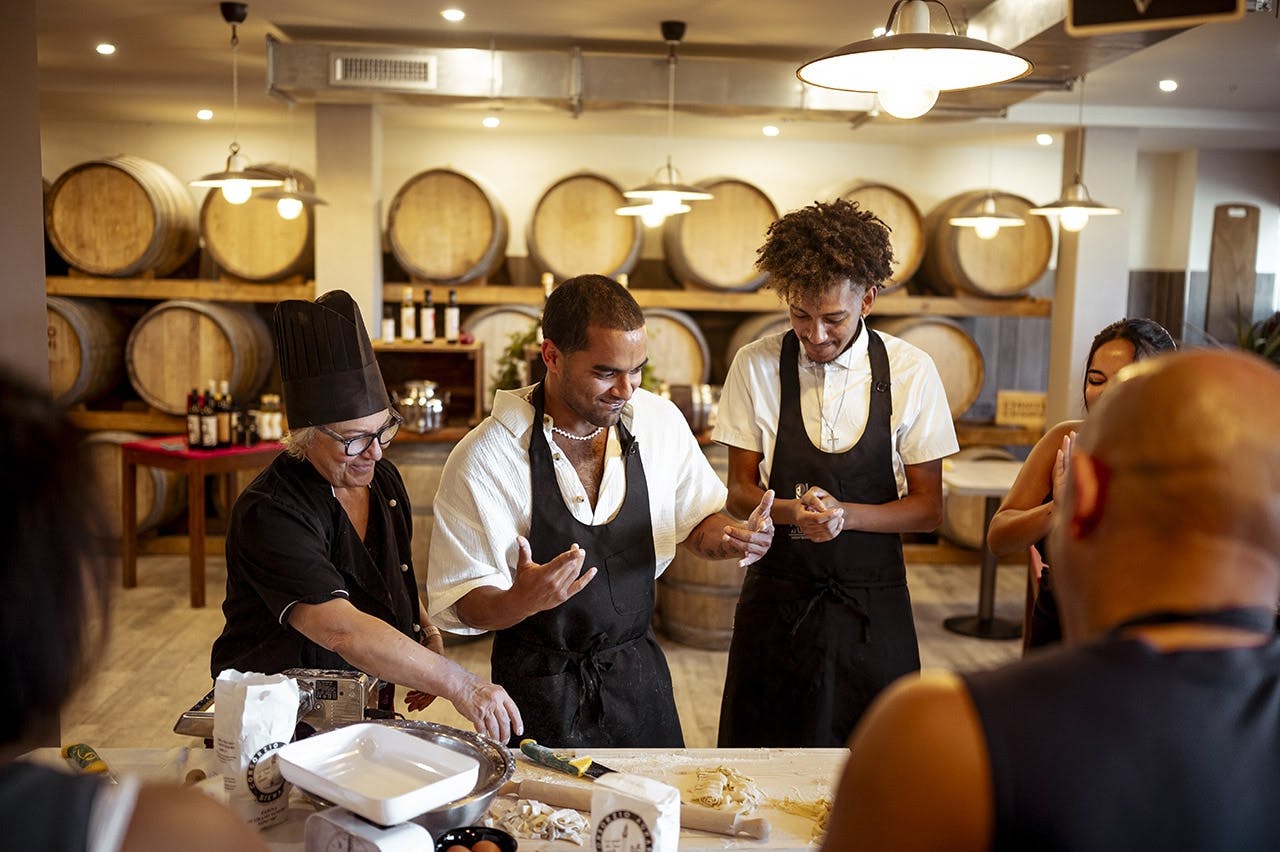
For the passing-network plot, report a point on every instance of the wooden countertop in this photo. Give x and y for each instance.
(802, 775)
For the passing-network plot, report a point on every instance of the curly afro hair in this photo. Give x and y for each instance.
(809, 250)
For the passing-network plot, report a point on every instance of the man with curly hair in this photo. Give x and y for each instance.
(850, 426)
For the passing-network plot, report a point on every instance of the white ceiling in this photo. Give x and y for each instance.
(174, 57)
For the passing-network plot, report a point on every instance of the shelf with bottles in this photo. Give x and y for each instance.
(759, 301)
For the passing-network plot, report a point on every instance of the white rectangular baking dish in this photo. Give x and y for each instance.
(383, 774)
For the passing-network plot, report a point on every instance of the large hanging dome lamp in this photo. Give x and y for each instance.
(909, 65)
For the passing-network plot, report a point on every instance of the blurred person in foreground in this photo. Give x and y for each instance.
(53, 615)
(1026, 513)
(319, 559)
(1157, 724)
(849, 426)
(585, 470)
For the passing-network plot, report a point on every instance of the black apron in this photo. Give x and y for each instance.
(821, 627)
(590, 673)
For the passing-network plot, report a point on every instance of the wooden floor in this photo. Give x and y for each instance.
(156, 663)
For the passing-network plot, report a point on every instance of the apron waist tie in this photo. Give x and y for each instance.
(589, 667)
(828, 586)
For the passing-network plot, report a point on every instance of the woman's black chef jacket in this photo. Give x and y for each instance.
(290, 541)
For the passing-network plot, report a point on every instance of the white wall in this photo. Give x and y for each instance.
(1249, 177)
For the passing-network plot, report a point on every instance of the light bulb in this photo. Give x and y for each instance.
(987, 229)
(653, 217)
(906, 101)
(1073, 218)
(289, 208)
(236, 191)
(666, 202)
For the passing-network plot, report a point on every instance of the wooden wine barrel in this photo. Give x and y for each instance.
(252, 241)
(906, 227)
(574, 229)
(964, 515)
(956, 261)
(753, 328)
(181, 344)
(494, 326)
(446, 228)
(697, 598)
(161, 494)
(677, 348)
(120, 217)
(955, 354)
(86, 349)
(714, 244)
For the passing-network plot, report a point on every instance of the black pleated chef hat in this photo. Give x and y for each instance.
(327, 368)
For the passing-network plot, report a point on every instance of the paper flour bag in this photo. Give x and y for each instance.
(253, 715)
(630, 813)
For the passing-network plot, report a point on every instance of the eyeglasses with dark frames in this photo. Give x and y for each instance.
(358, 444)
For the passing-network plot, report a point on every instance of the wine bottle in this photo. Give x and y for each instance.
(388, 323)
(408, 318)
(193, 418)
(452, 319)
(428, 325)
(222, 413)
(208, 421)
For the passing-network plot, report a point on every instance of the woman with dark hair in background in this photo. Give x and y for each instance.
(1026, 514)
(52, 613)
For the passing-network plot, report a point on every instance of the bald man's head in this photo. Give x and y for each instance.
(1189, 445)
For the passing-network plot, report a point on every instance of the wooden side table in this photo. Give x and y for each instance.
(172, 453)
(990, 479)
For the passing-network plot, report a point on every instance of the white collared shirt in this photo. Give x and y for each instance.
(485, 497)
(841, 390)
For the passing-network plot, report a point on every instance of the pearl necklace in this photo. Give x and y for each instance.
(573, 437)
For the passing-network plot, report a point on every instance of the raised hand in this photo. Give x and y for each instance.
(1060, 465)
(753, 539)
(546, 586)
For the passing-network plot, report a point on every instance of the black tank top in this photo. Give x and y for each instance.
(1115, 746)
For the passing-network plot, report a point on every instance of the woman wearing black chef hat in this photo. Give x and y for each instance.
(319, 568)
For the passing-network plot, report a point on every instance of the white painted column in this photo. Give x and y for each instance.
(349, 227)
(24, 346)
(1091, 289)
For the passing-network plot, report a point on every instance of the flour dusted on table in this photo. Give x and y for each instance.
(254, 714)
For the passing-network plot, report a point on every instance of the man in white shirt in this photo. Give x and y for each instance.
(850, 427)
(611, 478)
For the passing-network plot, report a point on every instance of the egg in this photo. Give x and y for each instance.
(457, 847)
(486, 846)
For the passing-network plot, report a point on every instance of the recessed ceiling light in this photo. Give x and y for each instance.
(1168, 85)
(453, 15)
(491, 121)
(204, 114)
(770, 130)
(106, 48)
(1045, 139)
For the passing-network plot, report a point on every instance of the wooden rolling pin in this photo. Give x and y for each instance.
(691, 816)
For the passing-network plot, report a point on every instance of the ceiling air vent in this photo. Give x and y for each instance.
(405, 71)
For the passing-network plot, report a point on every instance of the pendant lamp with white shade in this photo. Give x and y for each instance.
(237, 181)
(1075, 206)
(910, 65)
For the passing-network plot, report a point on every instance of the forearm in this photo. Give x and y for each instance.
(912, 513)
(491, 608)
(378, 649)
(1013, 530)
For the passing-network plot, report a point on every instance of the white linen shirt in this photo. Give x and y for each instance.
(485, 497)
(841, 389)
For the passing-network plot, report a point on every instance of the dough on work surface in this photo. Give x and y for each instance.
(818, 811)
(529, 818)
(725, 788)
